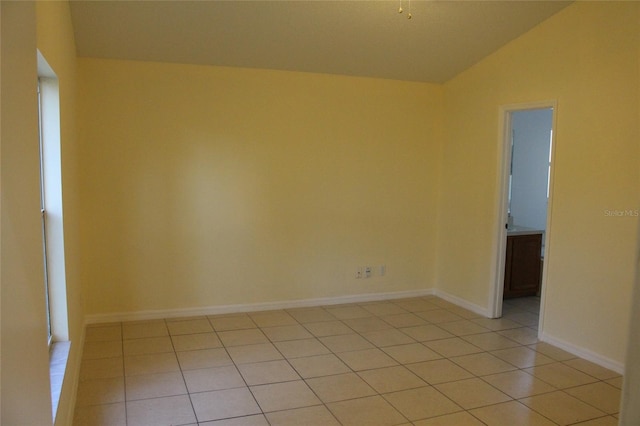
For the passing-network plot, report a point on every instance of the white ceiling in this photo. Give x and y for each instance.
(360, 38)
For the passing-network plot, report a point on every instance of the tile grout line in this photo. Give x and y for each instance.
(380, 316)
(304, 380)
(184, 380)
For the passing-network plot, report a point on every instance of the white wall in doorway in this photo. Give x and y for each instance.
(530, 172)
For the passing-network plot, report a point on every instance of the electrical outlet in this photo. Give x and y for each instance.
(383, 270)
(359, 272)
(367, 271)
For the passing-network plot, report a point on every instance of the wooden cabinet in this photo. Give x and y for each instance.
(522, 266)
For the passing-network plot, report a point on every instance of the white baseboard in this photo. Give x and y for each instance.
(324, 301)
(583, 353)
(462, 303)
(251, 307)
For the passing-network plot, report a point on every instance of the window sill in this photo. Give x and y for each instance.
(58, 355)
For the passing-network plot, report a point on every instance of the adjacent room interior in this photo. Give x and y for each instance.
(231, 188)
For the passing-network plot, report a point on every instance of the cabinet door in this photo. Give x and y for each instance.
(522, 266)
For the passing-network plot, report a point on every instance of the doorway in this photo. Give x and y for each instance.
(525, 182)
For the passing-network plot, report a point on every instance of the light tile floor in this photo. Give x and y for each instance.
(420, 361)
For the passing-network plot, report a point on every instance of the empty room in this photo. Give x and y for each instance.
(319, 213)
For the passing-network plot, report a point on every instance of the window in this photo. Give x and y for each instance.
(54, 281)
(43, 215)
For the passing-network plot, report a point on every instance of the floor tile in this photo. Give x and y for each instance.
(99, 333)
(254, 420)
(141, 329)
(439, 316)
(101, 415)
(102, 349)
(147, 345)
(366, 359)
(441, 303)
(203, 358)
(261, 373)
(340, 387)
(371, 411)
(601, 421)
(464, 313)
(100, 391)
(242, 337)
(254, 353)
(439, 371)
(491, 341)
(421, 403)
(616, 382)
(286, 332)
(600, 395)
(284, 396)
(405, 351)
(319, 365)
(391, 379)
(308, 315)
(562, 408)
(510, 413)
(461, 418)
(496, 324)
(192, 342)
(308, 416)
(423, 333)
(222, 404)
(348, 312)
(148, 364)
(102, 368)
(463, 328)
(328, 328)
(390, 337)
(591, 369)
(524, 336)
(482, 364)
(415, 305)
(194, 326)
(173, 410)
(383, 308)
(411, 353)
(404, 320)
(552, 351)
(522, 357)
(363, 325)
(272, 318)
(472, 393)
(155, 385)
(346, 342)
(229, 323)
(453, 346)
(210, 379)
(527, 319)
(560, 375)
(518, 384)
(531, 304)
(301, 348)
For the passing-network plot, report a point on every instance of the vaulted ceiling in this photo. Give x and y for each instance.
(358, 38)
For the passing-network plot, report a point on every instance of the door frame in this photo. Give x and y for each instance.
(504, 166)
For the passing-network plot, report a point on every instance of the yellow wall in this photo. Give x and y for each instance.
(55, 41)
(586, 58)
(630, 407)
(26, 396)
(206, 186)
(26, 399)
